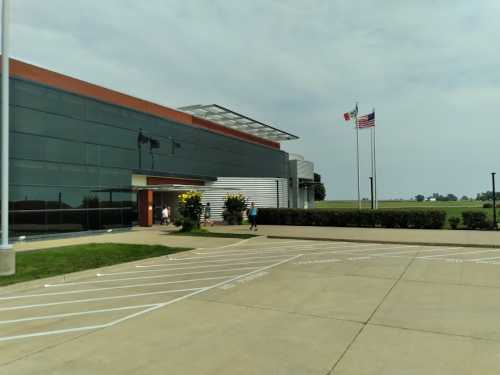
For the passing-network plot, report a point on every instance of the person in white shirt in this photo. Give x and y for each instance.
(165, 215)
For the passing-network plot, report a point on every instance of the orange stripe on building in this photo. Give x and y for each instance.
(46, 77)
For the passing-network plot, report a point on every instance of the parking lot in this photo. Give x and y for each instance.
(264, 306)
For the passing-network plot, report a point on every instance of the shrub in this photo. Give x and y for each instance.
(474, 219)
(454, 221)
(190, 208)
(428, 219)
(487, 205)
(234, 205)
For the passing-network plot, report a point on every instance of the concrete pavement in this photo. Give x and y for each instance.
(266, 306)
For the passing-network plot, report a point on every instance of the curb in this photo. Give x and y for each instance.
(444, 244)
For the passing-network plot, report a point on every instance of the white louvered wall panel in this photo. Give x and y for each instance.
(262, 191)
(305, 169)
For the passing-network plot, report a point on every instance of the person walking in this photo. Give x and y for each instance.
(207, 215)
(165, 215)
(252, 216)
(170, 217)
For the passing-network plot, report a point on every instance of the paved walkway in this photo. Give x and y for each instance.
(380, 235)
(162, 235)
(157, 235)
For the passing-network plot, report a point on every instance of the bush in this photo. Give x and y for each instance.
(190, 208)
(474, 220)
(234, 205)
(487, 205)
(421, 219)
(232, 218)
(454, 221)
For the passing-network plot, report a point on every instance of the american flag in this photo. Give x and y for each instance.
(366, 121)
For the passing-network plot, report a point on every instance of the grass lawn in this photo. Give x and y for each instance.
(38, 264)
(452, 208)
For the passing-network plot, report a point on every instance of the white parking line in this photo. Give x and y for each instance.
(286, 251)
(89, 312)
(461, 253)
(348, 252)
(176, 269)
(197, 267)
(359, 258)
(178, 262)
(482, 259)
(230, 245)
(412, 251)
(280, 249)
(304, 247)
(152, 308)
(24, 296)
(251, 247)
(21, 307)
(146, 277)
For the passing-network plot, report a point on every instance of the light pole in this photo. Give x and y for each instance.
(494, 201)
(7, 255)
(371, 192)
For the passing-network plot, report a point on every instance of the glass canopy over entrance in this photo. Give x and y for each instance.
(237, 121)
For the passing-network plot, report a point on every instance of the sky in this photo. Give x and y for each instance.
(431, 69)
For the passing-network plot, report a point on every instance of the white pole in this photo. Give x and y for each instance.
(5, 126)
(357, 156)
(372, 166)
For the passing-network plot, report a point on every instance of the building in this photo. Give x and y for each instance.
(301, 177)
(84, 157)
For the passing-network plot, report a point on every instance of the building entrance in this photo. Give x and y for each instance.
(163, 199)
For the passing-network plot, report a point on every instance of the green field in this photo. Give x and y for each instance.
(452, 208)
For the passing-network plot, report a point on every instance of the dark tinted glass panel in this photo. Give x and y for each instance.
(54, 221)
(28, 223)
(112, 218)
(73, 221)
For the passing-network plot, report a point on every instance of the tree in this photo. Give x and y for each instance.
(420, 198)
(451, 197)
(319, 188)
(487, 196)
(464, 198)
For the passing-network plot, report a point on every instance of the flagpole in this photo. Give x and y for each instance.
(357, 154)
(372, 164)
(375, 164)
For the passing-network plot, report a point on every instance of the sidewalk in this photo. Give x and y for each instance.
(161, 235)
(440, 237)
(156, 235)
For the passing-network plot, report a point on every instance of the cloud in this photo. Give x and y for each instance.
(429, 68)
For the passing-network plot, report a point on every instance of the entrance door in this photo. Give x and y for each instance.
(165, 199)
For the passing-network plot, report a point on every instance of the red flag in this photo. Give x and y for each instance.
(350, 115)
